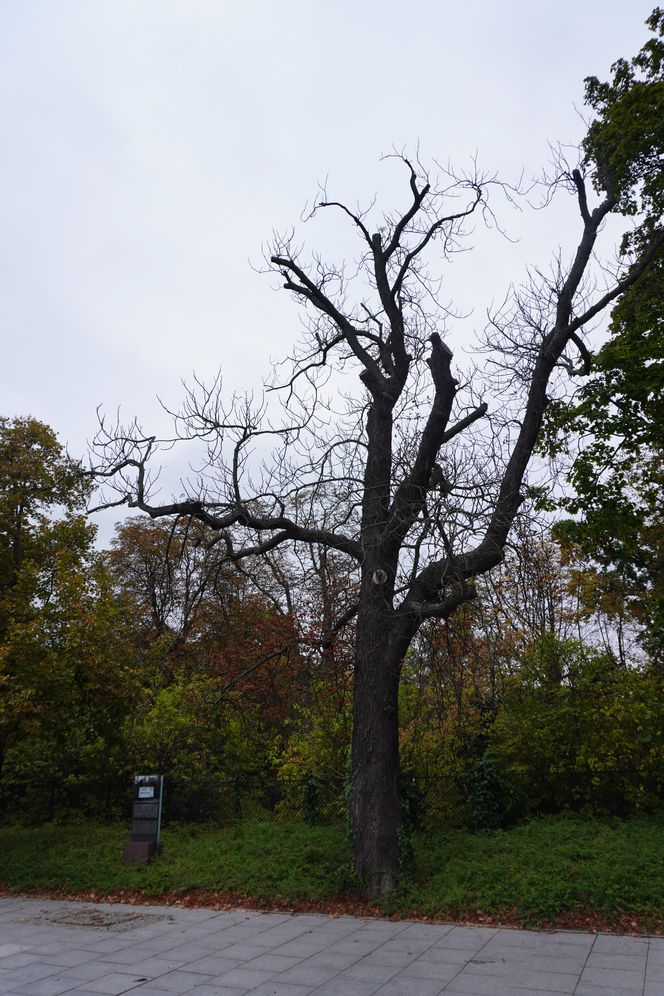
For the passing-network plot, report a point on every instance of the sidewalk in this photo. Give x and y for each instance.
(48, 948)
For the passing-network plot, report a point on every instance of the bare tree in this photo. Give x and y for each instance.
(404, 474)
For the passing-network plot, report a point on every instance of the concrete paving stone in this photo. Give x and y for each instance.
(273, 919)
(207, 991)
(249, 931)
(449, 991)
(428, 931)
(301, 948)
(355, 943)
(115, 982)
(413, 947)
(521, 977)
(10, 949)
(83, 992)
(51, 986)
(369, 973)
(341, 925)
(486, 964)
(105, 946)
(346, 988)
(124, 956)
(386, 956)
(480, 986)
(159, 965)
(242, 977)
(325, 938)
(169, 943)
(276, 988)
(629, 979)
(18, 960)
(517, 936)
(384, 930)
(269, 941)
(544, 964)
(150, 989)
(479, 933)
(656, 952)
(524, 952)
(287, 924)
(454, 956)
(612, 944)
(181, 981)
(210, 965)
(651, 989)
(29, 973)
(89, 971)
(312, 920)
(330, 959)
(655, 973)
(242, 952)
(238, 932)
(223, 918)
(273, 962)
(200, 935)
(411, 987)
(422, 969)
(462, 942)
(584, 990)
(622, 962)
(187, 953)
(55, 945)
(309, 973)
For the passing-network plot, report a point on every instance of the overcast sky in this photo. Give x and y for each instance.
(149, 147)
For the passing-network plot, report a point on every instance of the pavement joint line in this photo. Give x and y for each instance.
(645, 970)
(585, 964)
(476, 953)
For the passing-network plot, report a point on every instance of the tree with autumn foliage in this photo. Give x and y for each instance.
(218, 658)
(66, 667)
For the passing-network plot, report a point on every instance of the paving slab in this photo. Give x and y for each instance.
(50, 948)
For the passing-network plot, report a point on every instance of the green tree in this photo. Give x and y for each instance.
(576, 729)
(617, 477)
(65, 662)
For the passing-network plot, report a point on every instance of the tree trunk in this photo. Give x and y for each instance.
(375, 804)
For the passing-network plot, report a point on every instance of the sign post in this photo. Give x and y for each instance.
(146, 819)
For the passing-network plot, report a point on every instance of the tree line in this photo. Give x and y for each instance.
(541, 695)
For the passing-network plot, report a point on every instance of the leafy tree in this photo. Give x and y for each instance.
(65, 660)
(401, 477)
(576, 729)
(617, 476)
(36, 476)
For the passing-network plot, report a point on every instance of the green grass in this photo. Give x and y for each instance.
(537, 873)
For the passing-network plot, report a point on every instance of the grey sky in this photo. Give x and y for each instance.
(149, 147)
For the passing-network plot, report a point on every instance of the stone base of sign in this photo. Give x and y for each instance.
(139, 850)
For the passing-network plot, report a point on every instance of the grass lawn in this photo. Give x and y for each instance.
(554, 870)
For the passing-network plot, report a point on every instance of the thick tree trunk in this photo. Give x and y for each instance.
(375, 803)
